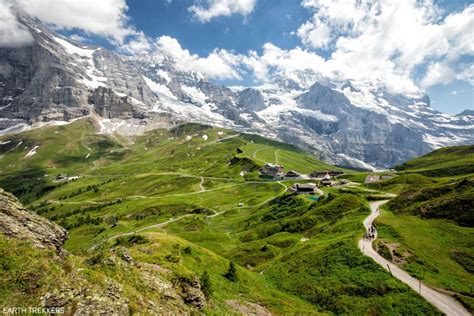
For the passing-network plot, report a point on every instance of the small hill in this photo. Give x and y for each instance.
(444, 162)
(403, 182)
(453, 200)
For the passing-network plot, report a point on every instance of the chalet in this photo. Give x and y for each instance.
(322, 173)
(272, 170)
(292, 174)
(344, 181)
(372, 178)
(327, 183)
(306, 188)
(61, 178)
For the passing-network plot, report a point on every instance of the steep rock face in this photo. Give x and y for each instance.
(325, 99)
(251, 99)
(110, 104)
(36, 85)
(17, 222)
(57, 80)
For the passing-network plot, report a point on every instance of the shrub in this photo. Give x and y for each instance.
(231, 274)
(131, 240)
(206, 285)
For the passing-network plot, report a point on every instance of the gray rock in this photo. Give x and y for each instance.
(17, 222)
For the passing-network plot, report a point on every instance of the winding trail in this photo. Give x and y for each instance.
(201, 187)
(277, 161)
(163, 224)
(159, 225)
(443, 302)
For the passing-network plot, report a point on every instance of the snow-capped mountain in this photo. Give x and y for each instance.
(346, 123)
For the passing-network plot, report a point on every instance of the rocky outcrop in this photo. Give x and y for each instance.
(192, 293)
(251, 99)
(17, 222)
(76, 294)
(110, 104)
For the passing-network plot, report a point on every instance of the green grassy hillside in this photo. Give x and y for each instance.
(444, 162)
(193, 195)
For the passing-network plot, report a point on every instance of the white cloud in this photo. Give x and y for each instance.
(216, 8)
(466, 74)
(315, 33)
(106, 18)
(438, 73)
(454, 92)
(388, 40)
(276, 62)
(140, 44)
(12, 33)
(219, 64)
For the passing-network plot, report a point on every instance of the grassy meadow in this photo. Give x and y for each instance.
(194, 196)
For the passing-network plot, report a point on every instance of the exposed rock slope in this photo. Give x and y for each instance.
(38, 277)
(19, 223)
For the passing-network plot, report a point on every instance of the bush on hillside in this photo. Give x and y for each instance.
(231, 273)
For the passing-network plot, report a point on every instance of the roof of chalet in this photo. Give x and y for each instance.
(305, 185)
(271, 165)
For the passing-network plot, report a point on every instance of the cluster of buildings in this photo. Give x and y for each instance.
(325, 177)
(63, 178)
(277, 171)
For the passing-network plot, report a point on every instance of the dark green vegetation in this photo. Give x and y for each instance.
(429, 226)
(452, 200)
(194, 199)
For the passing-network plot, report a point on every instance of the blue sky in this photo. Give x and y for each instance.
(406, 46)
(270, 21)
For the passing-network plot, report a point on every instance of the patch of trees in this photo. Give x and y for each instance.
(150, 211)
(453, 201)
(81, 221)
(93, 187)
(131, 240)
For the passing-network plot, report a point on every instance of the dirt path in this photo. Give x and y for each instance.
(159, 225)
(276, 156)
(443, 302)
(163, 224)
(201, 185)
(254, 155)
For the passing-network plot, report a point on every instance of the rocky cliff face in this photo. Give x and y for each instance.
(346, 123)
(19, 223)
(38, 276)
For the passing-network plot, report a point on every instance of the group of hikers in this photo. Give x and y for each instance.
(370, 233)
